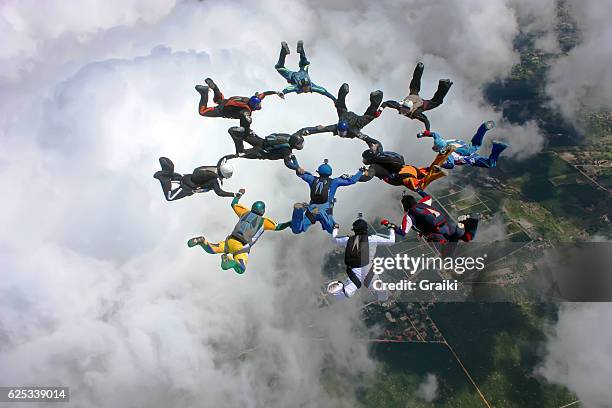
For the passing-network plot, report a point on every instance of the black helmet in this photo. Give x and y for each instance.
(368, 156)
(360, 227)
(408, 202)
(296, 142)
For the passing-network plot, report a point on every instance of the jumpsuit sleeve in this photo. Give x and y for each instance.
(322, 91)
(384, 241)
(341, 182)
(315, 129)
(307, 177)
(338, 240)
(269, 224)
(262, 95)
(289, 89)
(220, 192)
(240, 209)
(420, 116)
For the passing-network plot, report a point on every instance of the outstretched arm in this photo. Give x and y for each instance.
(341, 181)
(336, 239)
(322, 91)
(220, 192)
(316, 129)
(420, 116)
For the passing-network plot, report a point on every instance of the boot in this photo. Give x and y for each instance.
(284, 51)
(443, 87)
(217, 95)
(203, 91)
(166, 165)
(496, 150)
(415, 83)
(196, 241)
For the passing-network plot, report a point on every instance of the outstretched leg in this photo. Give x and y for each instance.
(415, 83)
(480, 133)
(491, 161)
(217, 95)
(284, 51)
(304, 63)
(238, 135)
(376, 98)
(341, 101)
(443, 87)
(299, 221)
(166, 176)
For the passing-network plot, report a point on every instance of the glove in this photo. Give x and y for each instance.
(300, 171)
(281, 95)
(345, 176)
(425, 133)
(384, 221)
(362, 169)
(336, 226)
(241, 191)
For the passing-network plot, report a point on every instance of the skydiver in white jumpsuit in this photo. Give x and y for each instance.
(359, 254)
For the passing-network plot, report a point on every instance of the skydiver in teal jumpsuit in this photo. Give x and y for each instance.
(299, 81)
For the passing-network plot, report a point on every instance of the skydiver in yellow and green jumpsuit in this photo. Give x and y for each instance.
(236, 247)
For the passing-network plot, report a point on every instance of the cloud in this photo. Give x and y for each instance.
(98, 289)
(583, 367)
(428, 389)
(581, 80)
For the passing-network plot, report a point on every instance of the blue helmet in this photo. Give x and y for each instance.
(255, 102)
(343, 127)
(439, 144)
(325, 169)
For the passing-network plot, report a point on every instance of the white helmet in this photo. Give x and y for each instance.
(408, 104)
(226, 170)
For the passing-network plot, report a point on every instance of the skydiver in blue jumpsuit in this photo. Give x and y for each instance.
(322, 192)
(299, 81)
(467, 153)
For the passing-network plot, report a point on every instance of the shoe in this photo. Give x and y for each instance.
(300, 47)
(196, 241)
(210, 83)
(202, 89)
(285, 48)
(344, 88)
(166, 165)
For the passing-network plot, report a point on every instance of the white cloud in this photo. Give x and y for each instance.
(579, 353)
(98, 288)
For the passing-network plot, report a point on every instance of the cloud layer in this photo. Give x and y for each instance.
(98, 288)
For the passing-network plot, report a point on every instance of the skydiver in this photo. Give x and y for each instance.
(273, 147)
(234, 107)
(322, 191)
(359, 253)
(432, 224)
(299, 81)
(203, 179)
(391, 168)
(464, 153)
(413, 105)
(236, 247)
(349, 123)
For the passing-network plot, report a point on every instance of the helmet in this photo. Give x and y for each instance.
(408, 202)
(343, 127)
(438, 144)
(255, 102)
(296, 142)
(258, 207)
(360, 226)
(226, 170)
(368, 156)
(325, 169)
(407, 103)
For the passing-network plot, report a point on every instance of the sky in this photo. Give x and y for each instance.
(98, 289)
